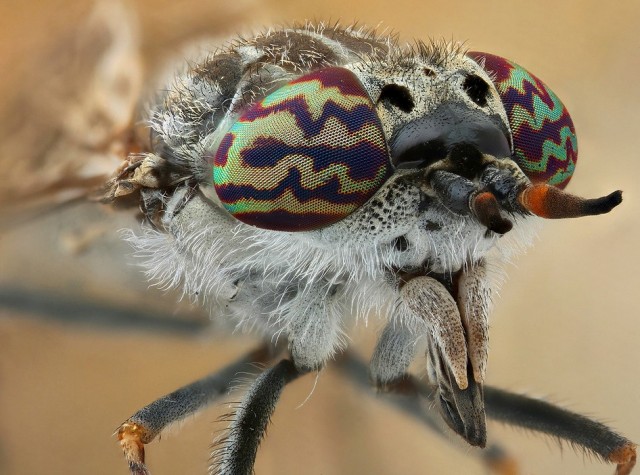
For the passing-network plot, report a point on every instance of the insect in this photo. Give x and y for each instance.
(315, 174)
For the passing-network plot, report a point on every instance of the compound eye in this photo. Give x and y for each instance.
(306, 156)
(544, 138)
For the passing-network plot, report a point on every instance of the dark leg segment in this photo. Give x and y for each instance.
(148, 422)
(417, 400)
(540, 416)
(235, 454)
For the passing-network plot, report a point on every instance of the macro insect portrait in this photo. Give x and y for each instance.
(313, 182)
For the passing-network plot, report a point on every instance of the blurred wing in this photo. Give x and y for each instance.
(70, 124)
(70, 121)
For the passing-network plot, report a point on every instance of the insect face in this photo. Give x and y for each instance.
(306, 177)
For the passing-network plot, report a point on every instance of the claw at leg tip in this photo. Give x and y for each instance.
(131, 438)
(623, 454)
(504, 466)
(625, 458)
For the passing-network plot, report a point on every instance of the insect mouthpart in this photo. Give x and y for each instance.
(461, 409)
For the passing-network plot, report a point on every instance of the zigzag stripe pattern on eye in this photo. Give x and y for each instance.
(544, 138)
(306, 156)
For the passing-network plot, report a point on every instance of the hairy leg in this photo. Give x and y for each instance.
(509, 408)
(235, 453)
(148, 422)
(541, 416)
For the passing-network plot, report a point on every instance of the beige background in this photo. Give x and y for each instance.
(566, 327)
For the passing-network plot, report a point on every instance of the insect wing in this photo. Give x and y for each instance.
(68, 126)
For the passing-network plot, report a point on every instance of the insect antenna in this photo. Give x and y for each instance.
(550, 202)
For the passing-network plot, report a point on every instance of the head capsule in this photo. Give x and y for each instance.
(544, 139)
(305, 156)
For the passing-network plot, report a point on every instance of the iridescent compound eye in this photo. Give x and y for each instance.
(544, 138)
(306, 156)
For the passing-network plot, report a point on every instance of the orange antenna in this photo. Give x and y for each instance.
(550, 202)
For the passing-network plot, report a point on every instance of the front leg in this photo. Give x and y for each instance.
(312, 322)
(580, 431)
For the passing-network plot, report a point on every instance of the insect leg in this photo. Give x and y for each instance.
(417, 400)
(393, 354)
(510, 408)
(148, 422)
(314, 328)
(235, 454)
(540, 416)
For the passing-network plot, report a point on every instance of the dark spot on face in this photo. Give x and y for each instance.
(466, 159)
(398, 96)
(431, 226)
(429, 72)
(401, 243)
(477, 89)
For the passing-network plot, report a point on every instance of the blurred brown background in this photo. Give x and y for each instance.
(566, 327)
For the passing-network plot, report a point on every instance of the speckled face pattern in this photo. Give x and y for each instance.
(304, 157)
(544, 138)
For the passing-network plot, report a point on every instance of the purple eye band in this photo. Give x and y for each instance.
(353, 119)
(323, 156)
